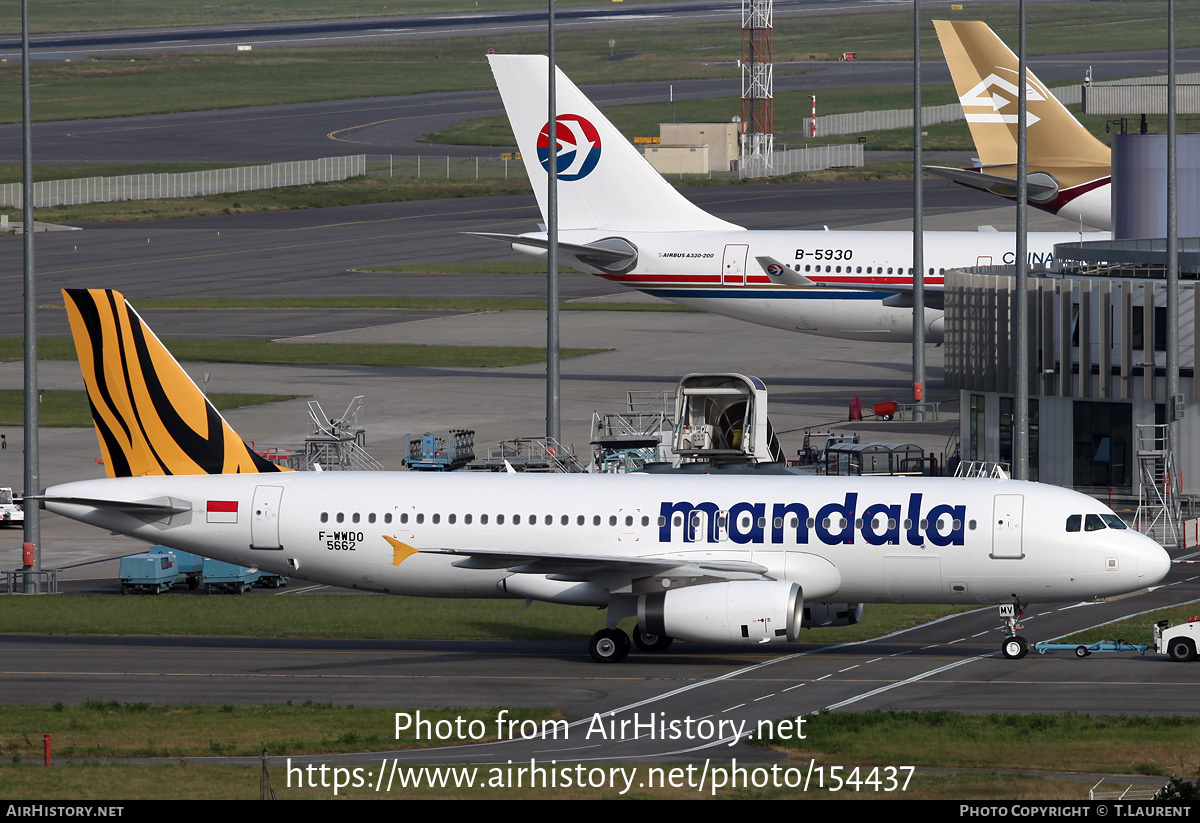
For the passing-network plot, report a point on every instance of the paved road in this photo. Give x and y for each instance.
(410, 27)
(952, 664)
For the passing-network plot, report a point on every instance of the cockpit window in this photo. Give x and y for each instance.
(1073, 522)
(1093, 523)
(1114, 522)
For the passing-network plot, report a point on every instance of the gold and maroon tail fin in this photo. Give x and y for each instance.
(985, 77)
(151, 419)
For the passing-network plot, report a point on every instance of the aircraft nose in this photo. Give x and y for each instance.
(1153, 563)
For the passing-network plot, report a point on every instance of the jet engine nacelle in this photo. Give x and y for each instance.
(737, 611)
(832, 614)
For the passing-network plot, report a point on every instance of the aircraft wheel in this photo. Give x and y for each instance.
(1081, 651)
(650, 642)
(1015, 648)
(1182, 650)
(609, 646)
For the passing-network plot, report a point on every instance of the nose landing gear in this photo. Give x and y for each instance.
(1013, 647)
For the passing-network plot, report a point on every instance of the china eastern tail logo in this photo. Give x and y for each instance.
(578, 147)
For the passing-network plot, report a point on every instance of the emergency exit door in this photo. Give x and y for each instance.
(1007, 514)
(264, 521)
(733, 265)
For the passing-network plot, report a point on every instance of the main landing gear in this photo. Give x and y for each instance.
(612, 645)
(609, 646)
(1013, 647)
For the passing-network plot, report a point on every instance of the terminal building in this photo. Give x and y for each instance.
(1097, 368)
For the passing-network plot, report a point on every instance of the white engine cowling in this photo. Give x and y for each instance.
(832, 614)
(737, 611)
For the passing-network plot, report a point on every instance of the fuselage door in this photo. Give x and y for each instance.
(264, 522)
(1007, 514)
(733, 266)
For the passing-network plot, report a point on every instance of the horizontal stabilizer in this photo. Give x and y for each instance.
(1042, 186)
(159, 505)
(612, 254)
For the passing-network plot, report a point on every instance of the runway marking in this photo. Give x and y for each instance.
(981, 634)
(764, 697)
(855, 666)
(304, 590)
(731, 708)
(798, 685)
(952, 642)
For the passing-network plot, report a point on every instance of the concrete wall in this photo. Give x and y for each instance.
(721, 139)
(678, 159)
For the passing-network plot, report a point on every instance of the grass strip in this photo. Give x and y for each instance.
(150, 83)
(368, 616)
(942, 739)
(59, 408)
(353, 192)
(99, 728)
(463, 304)
(316, 354)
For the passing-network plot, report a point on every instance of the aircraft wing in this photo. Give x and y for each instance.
(564, 563)
(611, 572)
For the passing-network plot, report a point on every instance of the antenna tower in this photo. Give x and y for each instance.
(758, 86)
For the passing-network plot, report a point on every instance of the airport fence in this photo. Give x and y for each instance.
(864, 121)
(446, 167)
(809, 158)
(185, 184)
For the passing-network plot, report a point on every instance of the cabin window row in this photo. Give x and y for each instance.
(811, 523)
(436, 518)
(697, 520)
(859, 269)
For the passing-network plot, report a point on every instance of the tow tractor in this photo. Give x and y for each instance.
(12, 513)
(1180, 642)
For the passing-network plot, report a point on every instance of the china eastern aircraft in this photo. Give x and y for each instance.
(1070, 171)
(724, 559)
(619, 219)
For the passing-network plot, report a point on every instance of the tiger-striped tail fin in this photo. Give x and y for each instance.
(151, 418)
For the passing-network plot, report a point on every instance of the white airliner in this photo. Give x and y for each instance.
(1070, 171)
(619, 219)
(725, 559)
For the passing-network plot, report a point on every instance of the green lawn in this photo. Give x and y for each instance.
(71, 408)
(316, 354)
(664, 52)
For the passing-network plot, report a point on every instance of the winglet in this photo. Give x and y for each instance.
(150, 418)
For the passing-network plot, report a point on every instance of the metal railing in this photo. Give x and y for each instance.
(74, 191)
(863, 121)
(810, 158)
